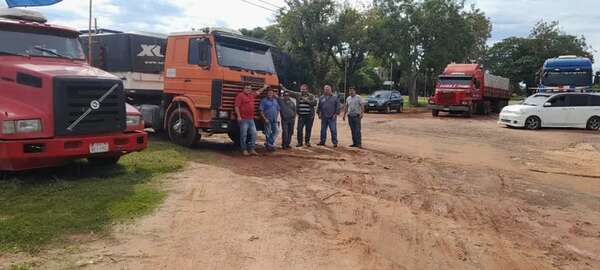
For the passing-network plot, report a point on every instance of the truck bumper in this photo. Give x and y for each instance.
(42, 153)
(449, 108)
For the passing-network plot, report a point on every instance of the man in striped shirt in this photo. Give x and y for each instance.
(305, 106)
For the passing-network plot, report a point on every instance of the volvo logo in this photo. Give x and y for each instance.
(95, 104)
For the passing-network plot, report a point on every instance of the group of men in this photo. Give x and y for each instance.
(277, 111)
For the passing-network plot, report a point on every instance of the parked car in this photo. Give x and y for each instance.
(572, 110)
(386, 101)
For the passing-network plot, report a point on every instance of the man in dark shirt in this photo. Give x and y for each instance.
(288, 117)
(328, 110)
(305, 107)
(244, 110)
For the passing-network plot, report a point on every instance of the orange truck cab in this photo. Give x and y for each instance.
(54, 107)
(204, 72)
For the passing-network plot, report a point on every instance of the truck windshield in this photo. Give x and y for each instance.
(40, 44)
(536, 100)
(245, 55)
(463, 81)
(567, 78)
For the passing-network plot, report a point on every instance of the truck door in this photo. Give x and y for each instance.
(197, 75)
(555, 111)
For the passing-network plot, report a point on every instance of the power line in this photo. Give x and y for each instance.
(260, 6)
(269, 3)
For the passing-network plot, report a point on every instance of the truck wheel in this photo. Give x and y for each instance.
(388, 109)
(435, 113)
(181, 128)
(594, 123)
(104, 161)
(533, 123)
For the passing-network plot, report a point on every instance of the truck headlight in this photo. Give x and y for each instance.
(8, 127)
(21, 126)
(223, 114)
(133, 120)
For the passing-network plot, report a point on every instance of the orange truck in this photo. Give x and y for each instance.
(203, 73)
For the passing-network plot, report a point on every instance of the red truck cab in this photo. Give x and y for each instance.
(468, 89)
(54, 107)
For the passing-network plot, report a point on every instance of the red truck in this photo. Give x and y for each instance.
(54, 107)
(468, 89)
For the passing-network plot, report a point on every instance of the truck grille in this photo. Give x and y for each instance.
(231, 90)
(73, 97)
(446, 98)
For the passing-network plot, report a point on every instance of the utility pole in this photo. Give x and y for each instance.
(90, 36)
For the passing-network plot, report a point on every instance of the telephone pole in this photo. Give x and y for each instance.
(90, 36)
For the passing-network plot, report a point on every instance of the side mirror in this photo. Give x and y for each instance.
(547, 104)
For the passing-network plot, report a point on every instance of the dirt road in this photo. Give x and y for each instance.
(447, 193)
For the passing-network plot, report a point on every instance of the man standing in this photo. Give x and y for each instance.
(288, 117)
(305, 107)
(355, 108)
(244, 110)
(328, 110)
(269, 110)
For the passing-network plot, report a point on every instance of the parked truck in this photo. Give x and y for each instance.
(566, 74)
(468, 89)
(137, 58)
(203, 72)
(54, 107)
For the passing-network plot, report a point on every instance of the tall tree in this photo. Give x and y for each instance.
(306, 26)
(520, 59)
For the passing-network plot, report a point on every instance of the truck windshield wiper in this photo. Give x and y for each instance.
(13, 54)
(42, 49)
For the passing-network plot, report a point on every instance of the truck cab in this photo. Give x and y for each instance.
(204, 72)
(468, 89)
(54, 107)
(566, 74)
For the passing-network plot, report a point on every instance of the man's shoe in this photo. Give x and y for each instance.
(308, 145)
(335, 145)
(253, 152)
(300, 145)
(245, 153)
(321, 144)
(359, 146)
(353, 145)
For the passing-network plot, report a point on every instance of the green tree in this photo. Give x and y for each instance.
(521, 59)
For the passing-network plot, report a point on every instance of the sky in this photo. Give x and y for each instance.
(509, 17)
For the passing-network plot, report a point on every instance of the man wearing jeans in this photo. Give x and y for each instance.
(244, 110)
(305, 107)
(288, 117)
(328, 110)
(269, 110)
(355, 107)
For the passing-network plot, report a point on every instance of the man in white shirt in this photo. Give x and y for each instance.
(355, 109)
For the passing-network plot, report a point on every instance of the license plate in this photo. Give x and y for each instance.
(372, 105)
(98, 148)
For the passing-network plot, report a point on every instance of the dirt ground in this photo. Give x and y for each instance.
(425, 193)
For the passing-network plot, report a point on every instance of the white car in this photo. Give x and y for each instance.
(571, 110)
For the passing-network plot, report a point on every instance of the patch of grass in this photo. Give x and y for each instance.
(42, 206)
(23, 266)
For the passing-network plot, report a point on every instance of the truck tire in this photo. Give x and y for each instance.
(181, 128)
(435, 113)
(594, 123)
(388, 109)
(234, 134)
(533, 123)
(104, 161)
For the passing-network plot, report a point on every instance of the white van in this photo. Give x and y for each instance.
(571, 110)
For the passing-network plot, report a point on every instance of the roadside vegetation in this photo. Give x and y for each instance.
(43, 206)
